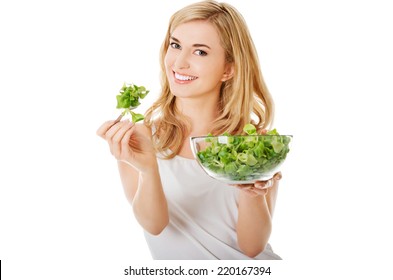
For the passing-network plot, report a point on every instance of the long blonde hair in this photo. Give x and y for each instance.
(243, 99)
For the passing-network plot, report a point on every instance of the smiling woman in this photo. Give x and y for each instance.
(211, 83)
(194, 47)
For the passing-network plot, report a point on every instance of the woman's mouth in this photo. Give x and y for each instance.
(183, 78)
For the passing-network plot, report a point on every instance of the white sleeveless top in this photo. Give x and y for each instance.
(202, 213)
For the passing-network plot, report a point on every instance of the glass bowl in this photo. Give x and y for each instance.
(241, 159)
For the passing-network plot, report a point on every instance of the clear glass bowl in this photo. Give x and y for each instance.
(241, 159)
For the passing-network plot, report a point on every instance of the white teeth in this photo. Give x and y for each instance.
(184, 78)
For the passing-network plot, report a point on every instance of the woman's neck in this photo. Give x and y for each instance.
(201, 113)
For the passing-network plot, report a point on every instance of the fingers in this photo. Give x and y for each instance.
(256, 191)
(115, 137)
(260, 187)
(101, 131)
(109, 129)
(257, 185)
(119, 131)
(277, 176)
(125, 140)
(113, 132)
(264, 184)
(268, 183)
(252, 191)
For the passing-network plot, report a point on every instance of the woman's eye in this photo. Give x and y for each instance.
(200, 52)
(175, 45)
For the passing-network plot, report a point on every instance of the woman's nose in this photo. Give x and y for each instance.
(181, 61)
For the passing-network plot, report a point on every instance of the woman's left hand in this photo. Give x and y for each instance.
(260, 187)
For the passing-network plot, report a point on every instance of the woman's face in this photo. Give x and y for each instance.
(195, 61)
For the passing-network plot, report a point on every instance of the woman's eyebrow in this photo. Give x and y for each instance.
(194, 45)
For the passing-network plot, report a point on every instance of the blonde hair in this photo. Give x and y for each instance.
(243, 99)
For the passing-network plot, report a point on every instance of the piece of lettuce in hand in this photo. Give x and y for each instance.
(128, 99)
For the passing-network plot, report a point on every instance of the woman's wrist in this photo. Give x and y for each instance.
(151, 170)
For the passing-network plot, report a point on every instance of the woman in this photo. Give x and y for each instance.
(211, 83)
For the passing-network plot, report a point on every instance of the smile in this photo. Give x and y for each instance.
(184, 77)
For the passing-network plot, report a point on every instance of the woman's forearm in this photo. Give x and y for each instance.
(149, 203)
(254, 224)
(145, 194)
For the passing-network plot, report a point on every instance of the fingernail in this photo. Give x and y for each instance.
(278, 176)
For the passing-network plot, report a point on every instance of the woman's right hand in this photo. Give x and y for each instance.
(129, 143)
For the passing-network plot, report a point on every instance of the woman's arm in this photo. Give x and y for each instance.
(255, 218)
(144, 192)
(131, 145)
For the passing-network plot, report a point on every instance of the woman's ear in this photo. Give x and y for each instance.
(229, 71)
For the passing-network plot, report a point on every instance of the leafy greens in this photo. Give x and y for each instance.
(244, 158)
(128, 99)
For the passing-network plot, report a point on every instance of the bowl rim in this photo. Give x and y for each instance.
(220, 136)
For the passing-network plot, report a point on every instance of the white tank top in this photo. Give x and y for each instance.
(203, 214)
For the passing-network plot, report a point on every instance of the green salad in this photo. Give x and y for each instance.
(128, 99)
(244, 158)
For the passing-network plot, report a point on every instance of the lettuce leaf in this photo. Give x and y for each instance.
(128, 99)
(245, 157)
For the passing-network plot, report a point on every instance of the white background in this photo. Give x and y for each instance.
(328, 64)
